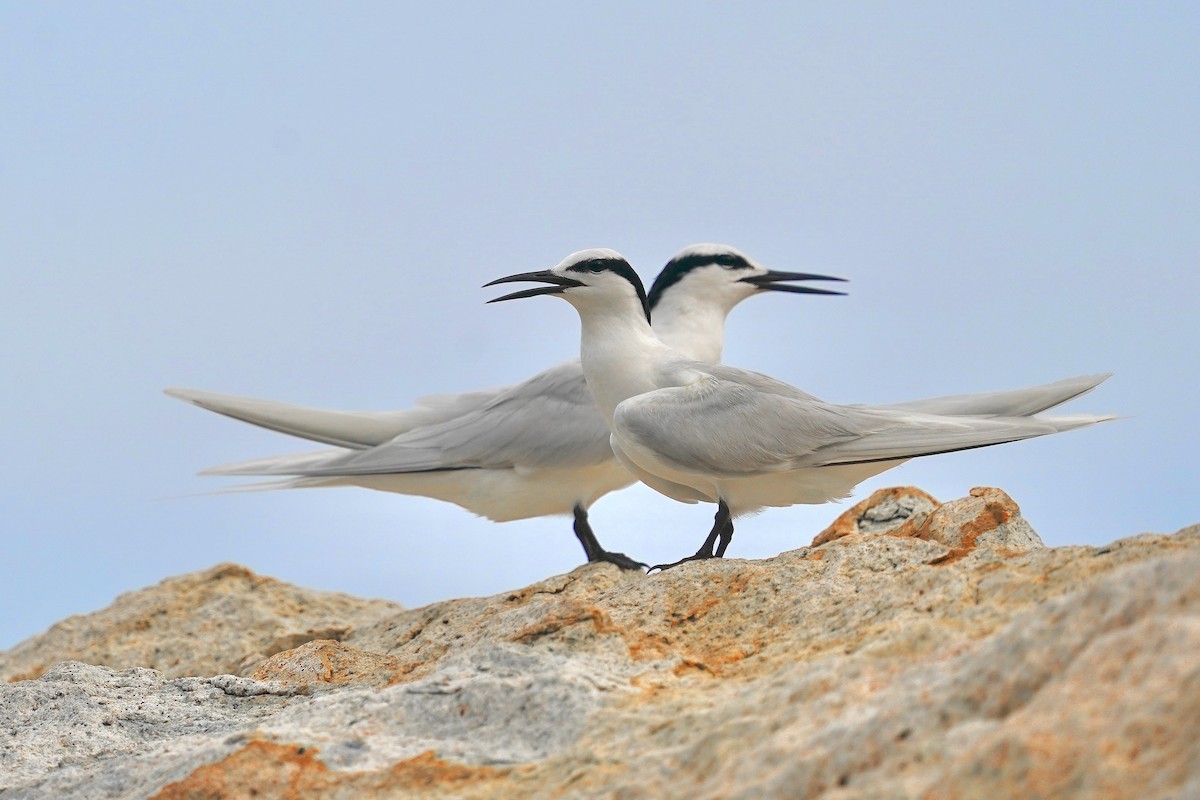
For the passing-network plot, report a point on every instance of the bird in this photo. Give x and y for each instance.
(699, 431)
(536, 448)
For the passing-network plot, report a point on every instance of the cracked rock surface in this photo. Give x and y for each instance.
(916, 650)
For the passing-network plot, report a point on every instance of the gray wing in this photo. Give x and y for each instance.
(547, 421)
(353, 429)
(288, 464)
(732, 428)
(760, 383)
(1012, 403)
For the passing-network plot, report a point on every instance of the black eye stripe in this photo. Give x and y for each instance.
(595, 265)
(730, 261)
(678, 267)
(619, 266)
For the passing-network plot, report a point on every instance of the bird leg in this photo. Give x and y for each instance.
(592, 548)
(722, 529)
(726, 531)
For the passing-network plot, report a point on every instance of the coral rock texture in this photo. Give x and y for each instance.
(916, 650)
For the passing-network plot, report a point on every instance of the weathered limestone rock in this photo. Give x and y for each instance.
(925, 651)
(899, 510)
(987, 520)
(205, 623)
(142, 727)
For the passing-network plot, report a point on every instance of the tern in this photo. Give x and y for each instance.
(537, 448)
(698, 431)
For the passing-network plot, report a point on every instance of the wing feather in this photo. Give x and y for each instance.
(549, 421)
(734, 428)
(1012, 403)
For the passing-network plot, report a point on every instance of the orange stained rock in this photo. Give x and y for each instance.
(574, 614)
(960, 523)
(266, 770)
(331, 663)
(848, 522)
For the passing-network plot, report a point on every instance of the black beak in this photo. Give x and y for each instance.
(772, 282)
(560, 283)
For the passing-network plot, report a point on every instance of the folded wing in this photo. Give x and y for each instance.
(352, 429)
(1011, 403)
(549, 421)
(732, 428)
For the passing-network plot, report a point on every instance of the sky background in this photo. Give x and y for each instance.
(300, 201)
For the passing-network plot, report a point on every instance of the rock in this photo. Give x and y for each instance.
(1119, 722)
(927, 651)
(225, 619)
(900, 510)
(299, 769)
(143, 727)
(986, 521)
(324, 662)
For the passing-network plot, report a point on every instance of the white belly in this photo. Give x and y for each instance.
(748, 493)
(500, 495)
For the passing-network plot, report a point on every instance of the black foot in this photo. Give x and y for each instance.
(620, 559)
(720, 536)
(592, 548)
(697, 557)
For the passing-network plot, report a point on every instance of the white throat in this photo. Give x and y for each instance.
(619, 352)
(695, 328)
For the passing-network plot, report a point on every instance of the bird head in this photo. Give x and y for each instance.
(584, 278)
(724, 274)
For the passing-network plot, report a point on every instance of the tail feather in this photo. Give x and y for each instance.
(949, 435)
(290, 464)
(1013, 403)
(269, 486)
(357, 430)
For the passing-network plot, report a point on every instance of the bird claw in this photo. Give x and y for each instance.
(697, 557)
(620, 559)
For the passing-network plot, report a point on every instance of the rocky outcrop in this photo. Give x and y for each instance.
(221, 620)
(916, 650)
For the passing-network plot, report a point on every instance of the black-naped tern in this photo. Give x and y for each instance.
(534, 449)
(698, 431)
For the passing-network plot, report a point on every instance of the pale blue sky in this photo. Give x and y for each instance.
(300, 201)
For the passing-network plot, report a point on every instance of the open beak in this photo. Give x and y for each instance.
(559, 284)
(773, 281)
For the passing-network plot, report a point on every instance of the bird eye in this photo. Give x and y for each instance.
(732, 262)
(595, 265)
